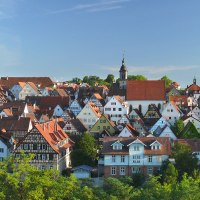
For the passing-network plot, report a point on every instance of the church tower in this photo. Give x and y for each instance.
(194, 81)
(123, 74)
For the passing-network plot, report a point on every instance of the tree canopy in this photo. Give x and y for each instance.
(167, 80)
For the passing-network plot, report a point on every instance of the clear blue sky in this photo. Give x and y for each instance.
(73, 38)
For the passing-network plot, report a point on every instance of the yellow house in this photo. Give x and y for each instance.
(103, 126)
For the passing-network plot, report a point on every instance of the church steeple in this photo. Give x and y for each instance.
(123, 74)
(194, 80)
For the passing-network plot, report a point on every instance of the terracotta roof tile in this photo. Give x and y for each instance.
(145, 90)
(42, 81)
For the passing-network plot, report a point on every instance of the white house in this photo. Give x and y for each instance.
(58, 111)
(171, 113)
(75, 107)
(6, 144)
(30, 89)
(195, 121)
(164, 132)
(194, 112)
(17, 88)
(161, 122)
(125, 156)
(129, 131)
(82, 171)
(89, 115)
(116, 107)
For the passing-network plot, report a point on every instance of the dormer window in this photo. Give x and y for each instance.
(117, 146)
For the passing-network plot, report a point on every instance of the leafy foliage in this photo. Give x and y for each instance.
(167, 80)
(85, 151)
(178, 127)
(136, 77)
(186, 162)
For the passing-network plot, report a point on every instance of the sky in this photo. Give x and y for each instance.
(64, 39)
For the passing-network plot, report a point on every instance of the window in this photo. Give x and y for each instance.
(98, 127)
(108, 127)
(120, 109)
(169, 117)
(113, 170)
(107, 109)
(1, 150)
(150, 170)
(135, 169)
(104, 127)
(136, 158)
(122, 158)
(113, 158)
(150, 158)
(43, 156)
(113, 103)
(122, 170)
(44, 146)
(136, 148)
(171, 110)
(25, 146)
(114, 109)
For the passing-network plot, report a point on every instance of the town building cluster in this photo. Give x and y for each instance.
(132, 121)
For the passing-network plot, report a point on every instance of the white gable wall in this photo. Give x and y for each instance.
(145, 104)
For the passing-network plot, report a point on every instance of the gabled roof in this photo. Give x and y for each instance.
(95, 109)
(45, 102)
(193, 87)
(136, 141)
(13, 124)
(126, 141)
(54, 134)
(16, 107)
(179, 100)
(42, 81)
(145, 90)
(78, 125)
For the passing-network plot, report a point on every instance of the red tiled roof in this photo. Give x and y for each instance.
(179, 99)
(53, 134)
(42, 81)
(164, 141)
(193, 87)
(145, 90)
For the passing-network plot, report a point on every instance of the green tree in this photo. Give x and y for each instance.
(178, 127)
(185, 161)
(76, 80)
(170, 174)
(85, 79)
(136, 77)
(190, 131)
(118, 189)
(85, 151)
(167, 80)
(110, 78)
(188, 188)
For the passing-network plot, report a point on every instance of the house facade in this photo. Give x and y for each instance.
(171, 113)
(125, 156)
(103, 124)
(89, 115)
(116, 107)
(50, 144)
